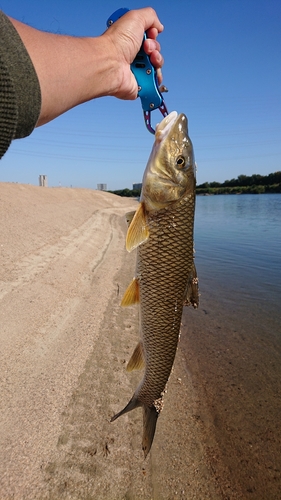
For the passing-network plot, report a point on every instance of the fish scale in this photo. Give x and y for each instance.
(163, 278)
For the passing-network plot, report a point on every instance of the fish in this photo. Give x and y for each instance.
(165, 279)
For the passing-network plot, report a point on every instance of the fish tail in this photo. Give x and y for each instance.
(133, 403)
(150, 415)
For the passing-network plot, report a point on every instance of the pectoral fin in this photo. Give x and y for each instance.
(132, 294)
(138, 231)
(137, 359)
(191, 296)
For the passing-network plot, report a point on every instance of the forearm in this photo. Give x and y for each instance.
(70, 70)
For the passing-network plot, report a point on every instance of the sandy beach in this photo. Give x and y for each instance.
(65, 342)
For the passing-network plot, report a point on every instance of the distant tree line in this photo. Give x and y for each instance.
(254, 184)
(130, 193)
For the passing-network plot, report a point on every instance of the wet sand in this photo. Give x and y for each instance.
(64, 344)
(234, 364)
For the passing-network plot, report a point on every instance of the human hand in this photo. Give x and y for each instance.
(72, 70)
(124, 39)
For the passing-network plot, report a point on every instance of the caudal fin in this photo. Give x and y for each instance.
(150, 415)
(133, 403)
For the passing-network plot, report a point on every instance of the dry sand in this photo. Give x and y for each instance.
(64, 343)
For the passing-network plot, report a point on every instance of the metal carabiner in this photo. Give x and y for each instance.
(147, 116)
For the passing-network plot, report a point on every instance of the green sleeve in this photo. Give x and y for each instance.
(20, 95)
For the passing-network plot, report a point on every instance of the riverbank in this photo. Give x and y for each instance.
(239, 190)
(64, 344)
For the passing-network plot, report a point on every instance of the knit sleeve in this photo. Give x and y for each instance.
(20, 95)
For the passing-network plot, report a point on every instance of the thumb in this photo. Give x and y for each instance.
(128, 89)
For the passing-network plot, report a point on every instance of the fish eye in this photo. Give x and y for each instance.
(180, 161)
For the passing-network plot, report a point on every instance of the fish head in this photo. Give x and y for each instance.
(170, 171)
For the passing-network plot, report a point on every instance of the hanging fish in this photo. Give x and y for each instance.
(162, 231)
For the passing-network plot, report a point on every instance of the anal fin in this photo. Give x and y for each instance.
(132, 294)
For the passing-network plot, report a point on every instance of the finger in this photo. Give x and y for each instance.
(151, 45)
(150, 19)
(159, 76)
(156, 59)
(152, 33)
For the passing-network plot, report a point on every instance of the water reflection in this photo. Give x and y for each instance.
(238, 241)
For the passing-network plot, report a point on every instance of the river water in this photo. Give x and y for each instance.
(232, 343)
(238, 242)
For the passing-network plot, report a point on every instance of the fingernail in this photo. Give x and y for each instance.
(151, 45)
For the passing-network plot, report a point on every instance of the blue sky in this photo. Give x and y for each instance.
(222, 69)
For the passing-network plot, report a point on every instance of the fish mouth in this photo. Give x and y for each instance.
(163, 128)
